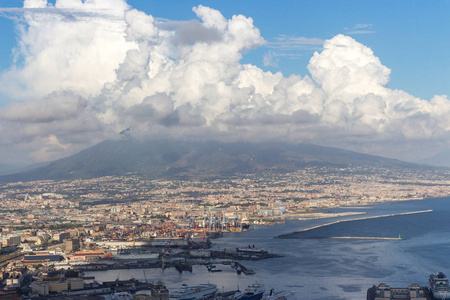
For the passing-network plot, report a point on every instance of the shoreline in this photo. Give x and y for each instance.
(289, 235)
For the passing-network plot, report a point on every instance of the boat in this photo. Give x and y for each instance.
(212, 268)
(198, 292)
(253, 292)
(232, 295)
(439, 286)
(251, 249)
(280, 295)
(245, 226)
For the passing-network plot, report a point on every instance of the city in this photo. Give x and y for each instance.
(48, 225)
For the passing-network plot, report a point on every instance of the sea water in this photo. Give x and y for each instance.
(330, 268)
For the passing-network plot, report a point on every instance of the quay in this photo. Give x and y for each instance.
(235, 255)
(182, 266)
(240, 268)
(183, 261)
(179, 265)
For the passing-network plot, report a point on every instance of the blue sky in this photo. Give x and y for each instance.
(411, 38)
(367, 76)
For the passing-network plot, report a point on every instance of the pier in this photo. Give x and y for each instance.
(349, 238)
(179, 265)
(182, 266)
(240, 268)
(289, 235)
(235, 255)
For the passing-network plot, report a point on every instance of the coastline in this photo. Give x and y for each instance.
(347, 269)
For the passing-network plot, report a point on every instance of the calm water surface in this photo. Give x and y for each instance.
(330, 268)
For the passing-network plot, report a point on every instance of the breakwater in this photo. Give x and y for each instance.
(290, 235)
(349, 237)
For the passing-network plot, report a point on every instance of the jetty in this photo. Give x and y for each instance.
(182, 266)
(350, 238)
(235, 255)
(290, 235)
(240, 268)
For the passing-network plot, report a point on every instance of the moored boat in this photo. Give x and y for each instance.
(253, 292)
(251, 249)
(280, 295)
(198, 292)
(439, 286)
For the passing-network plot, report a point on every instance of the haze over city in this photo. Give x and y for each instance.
(369, 78)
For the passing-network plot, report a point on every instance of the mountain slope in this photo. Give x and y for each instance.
(441, 159)
(167, 159)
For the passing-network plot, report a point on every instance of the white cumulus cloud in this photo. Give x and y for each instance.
(86, 70)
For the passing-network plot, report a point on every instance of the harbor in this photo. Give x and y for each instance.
(300, 261)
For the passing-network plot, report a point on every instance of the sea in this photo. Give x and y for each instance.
(320, 268)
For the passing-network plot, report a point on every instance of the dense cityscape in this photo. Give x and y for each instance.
(51, 226)
(131, 200)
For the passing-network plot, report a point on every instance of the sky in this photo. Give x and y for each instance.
(367, 76)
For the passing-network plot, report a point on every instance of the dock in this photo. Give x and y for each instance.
(234, 255)
(183, 266)
(241, 268)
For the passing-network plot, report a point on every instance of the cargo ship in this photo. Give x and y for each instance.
(439, 286)
(198, 292)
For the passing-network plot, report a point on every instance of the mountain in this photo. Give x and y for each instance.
(441, 160)
(179, 159)
(6, 169)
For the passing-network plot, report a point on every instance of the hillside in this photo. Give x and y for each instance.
(169, 159)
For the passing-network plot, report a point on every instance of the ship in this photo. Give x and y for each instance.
(280, 295)
(439, 286)
(198, 292)
(253, 292)
(251, 249)
(245, 226)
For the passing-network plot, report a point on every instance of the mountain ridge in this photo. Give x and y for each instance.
(181, 159)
